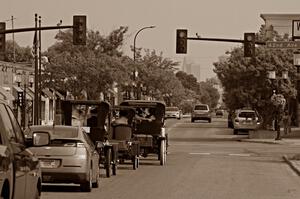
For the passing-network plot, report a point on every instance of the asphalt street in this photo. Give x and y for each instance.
(205, 160)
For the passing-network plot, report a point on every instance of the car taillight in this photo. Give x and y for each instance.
(80, 145)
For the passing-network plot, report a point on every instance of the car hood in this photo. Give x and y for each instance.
(54, 151)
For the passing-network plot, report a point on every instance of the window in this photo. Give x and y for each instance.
(247, 115)
(201, 107)
(6, 125)
(16, 127)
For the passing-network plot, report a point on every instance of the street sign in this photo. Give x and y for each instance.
(296, 29)
(283, 44)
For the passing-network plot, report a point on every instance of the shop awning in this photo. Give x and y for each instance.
(58, 94)
(48, 93)
(6, 95)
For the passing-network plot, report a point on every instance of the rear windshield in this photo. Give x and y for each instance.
(64, 142)
(201, 107)
(247, 114)
(59, 133)
(172, 109)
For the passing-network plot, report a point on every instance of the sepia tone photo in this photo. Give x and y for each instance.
(142, 99)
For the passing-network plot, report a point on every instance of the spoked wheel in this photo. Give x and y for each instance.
(108, 162)
(135, 162)
(163, 152)
(114, 169)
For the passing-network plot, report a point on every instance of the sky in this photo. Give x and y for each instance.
(208, 18)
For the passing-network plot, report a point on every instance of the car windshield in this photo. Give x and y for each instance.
(247, 115)
(172, 109)
(201, 107)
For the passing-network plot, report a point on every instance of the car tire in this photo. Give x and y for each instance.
(209, 120)
(87, 186)
(96, 184)
(235, 131)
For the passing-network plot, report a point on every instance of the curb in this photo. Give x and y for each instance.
(258, 141)
(291, 164)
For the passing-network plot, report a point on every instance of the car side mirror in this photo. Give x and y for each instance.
(41, 139)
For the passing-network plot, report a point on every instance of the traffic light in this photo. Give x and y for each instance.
(2, 41)
(181, 41)
(249, 44)
(20, 99)
(79, 30)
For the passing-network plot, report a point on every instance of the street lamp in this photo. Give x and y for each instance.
(136, 36)
(23, 80)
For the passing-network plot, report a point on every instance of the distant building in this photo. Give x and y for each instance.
(282, 23)
(190, 67)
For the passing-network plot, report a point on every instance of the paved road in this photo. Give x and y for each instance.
(205, 161)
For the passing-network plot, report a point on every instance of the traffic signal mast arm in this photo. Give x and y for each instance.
(33, 29)
(224, 40)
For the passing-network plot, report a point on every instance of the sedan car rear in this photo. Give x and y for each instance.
(70, 157)
(173, 112)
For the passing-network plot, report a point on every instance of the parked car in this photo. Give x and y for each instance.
(201, 112)
(20, 173)
(219, 113)
(173, 112)
(245, 120)
(70, 156)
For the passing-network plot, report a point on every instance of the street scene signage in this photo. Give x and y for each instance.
(296, 29)
(283, 44)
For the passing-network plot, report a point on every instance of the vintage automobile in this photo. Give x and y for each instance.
(150, 127)
(94, 116)
(173, 112)
(122, 134)
(20, 172)
(70, 156)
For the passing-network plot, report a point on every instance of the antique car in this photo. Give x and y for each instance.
(70, 156)
(20, 172)
(150, 127)
(94, 117)
(122, 128)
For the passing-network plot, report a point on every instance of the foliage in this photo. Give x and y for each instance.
(22, 54)
(246, 83)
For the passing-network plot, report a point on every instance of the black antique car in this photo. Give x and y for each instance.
(94, 116)
(122, 128)
(149, 127)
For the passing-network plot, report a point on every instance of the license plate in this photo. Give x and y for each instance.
(49, 163)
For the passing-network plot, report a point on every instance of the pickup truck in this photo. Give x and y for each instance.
(20, 173)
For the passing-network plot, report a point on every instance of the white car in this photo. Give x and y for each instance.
(173, 112)
(245, 120)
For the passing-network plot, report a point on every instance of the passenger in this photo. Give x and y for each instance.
(145, 115)
(122, 118)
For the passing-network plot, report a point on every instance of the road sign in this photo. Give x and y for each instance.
(296, 29)
(283, 44)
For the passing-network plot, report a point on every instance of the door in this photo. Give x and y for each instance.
(29, 161)
(15, 148)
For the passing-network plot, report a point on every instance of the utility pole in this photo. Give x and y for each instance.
(36, 76)
(40, 72)
(13, 38)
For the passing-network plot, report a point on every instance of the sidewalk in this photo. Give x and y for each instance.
(268, 137)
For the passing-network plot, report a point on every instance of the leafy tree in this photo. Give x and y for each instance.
(22, 54)
(246, 83)
(92, 68)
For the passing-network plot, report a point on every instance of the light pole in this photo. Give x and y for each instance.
(134, 41)
(135, 74)
(296, 60)
(22, 79)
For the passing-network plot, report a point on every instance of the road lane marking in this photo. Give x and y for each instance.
(240, 154)
(199, 153)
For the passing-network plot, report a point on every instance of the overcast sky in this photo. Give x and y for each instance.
(208, 18)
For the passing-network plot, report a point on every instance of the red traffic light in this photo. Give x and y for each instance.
(249, 44)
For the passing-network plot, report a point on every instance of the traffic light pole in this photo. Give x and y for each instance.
(224, 40)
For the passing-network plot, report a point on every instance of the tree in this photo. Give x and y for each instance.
(22, 54)
(92, 68)
(246, 83)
